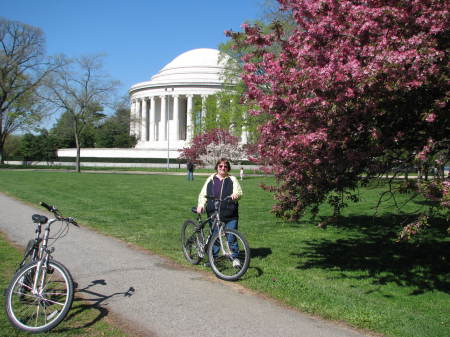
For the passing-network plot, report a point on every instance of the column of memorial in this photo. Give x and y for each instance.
(163, 121)
(132, 126)
(189, 126)
(152, 130)
(144, 131)
(138, 119)
(203, 112)
(176, 117)
(244, 137)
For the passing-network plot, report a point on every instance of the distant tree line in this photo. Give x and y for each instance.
(106, 132)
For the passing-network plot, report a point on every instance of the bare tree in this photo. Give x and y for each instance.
(81, 89)
(23, 67)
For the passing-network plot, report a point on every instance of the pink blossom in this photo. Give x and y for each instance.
(350, 93)
(430, 117)
(374, 133)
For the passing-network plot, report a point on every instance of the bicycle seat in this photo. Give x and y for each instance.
(39, 218)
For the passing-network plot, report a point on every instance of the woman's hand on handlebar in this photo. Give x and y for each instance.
(199, 209)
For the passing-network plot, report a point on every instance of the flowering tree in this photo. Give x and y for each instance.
(356, 89)
(216, 151)
(210, 146)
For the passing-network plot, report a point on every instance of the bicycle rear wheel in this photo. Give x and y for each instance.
(229, 254)
(30, 253)
(46, 308)
(191, 242)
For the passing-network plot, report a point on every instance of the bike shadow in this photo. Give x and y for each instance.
(89, 299)
(257, 253)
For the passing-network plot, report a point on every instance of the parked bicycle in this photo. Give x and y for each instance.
(41, 292)
(227, 249)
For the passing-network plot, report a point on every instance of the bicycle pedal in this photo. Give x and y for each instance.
(53, 314)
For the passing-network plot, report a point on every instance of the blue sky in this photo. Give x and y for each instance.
(139, 37)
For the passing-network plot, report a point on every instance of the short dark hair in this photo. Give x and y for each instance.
(223, 160)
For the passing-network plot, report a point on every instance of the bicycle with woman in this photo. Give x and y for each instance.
(227, 249)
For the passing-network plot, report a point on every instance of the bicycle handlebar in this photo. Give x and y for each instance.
(73, 221)
(217, 199)
(54, 210)
(194, 209)
(50, 208)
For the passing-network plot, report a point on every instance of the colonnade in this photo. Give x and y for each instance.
(159, 118)
(162, 117)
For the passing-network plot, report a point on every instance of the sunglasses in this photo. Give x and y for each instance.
(222, 166)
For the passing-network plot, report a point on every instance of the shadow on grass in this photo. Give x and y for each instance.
(372, 246)
(261, 252)
(94, 301)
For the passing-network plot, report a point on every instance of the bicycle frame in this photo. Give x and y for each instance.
(43, 257)
(44, 253)
(216, 222)
(204, 243)
(33, 251)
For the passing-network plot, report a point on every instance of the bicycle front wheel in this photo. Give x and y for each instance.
(191, 242)
(43, 308)
(229, 254)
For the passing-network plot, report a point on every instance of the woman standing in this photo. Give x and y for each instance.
(221, 185)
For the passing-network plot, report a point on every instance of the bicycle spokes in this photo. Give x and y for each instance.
(37, 301)
(192, 243)
(229, 254)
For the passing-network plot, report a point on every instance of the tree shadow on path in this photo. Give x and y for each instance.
(372, 247)
(94, 300)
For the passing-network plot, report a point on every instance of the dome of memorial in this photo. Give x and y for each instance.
(197, 66)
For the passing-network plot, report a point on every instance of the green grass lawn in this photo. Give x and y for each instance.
(354, 271)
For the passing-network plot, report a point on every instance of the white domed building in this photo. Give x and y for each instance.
(161, 108)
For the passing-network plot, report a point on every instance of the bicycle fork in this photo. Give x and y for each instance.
(41, 273)
(39, 277)
(225, 252)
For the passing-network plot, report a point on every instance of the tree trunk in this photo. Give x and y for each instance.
(419, 172)
(2, 137)
(77, 160)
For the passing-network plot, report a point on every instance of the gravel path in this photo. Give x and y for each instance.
(156, 296)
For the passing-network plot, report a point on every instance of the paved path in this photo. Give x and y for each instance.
(159, 298)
